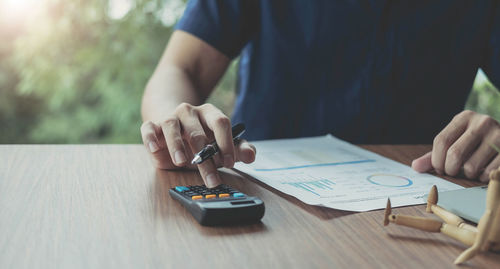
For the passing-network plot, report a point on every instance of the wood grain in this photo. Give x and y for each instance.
(104, 206)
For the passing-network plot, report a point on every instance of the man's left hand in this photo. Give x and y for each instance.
(464, 145)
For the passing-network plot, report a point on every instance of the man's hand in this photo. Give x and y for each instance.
(174, 141)
(465, 144)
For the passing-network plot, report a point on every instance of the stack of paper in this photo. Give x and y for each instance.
(333, 173)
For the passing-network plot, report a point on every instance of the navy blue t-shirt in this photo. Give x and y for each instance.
(376, 71)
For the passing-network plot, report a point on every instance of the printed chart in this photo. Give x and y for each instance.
(330, 172)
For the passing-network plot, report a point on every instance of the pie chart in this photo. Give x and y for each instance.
(388, 180)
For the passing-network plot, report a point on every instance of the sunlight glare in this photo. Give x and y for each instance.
(18, 10)
(117, 9)
(18, 6)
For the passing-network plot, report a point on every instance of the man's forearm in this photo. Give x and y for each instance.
(165, 91)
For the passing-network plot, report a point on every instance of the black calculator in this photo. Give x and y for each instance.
(221, 205)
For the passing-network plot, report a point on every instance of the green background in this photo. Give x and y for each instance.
(74, 71)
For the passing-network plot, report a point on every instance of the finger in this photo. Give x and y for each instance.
(218, 161)
(208, 172)
(153, 140)
(423, 163)
(460, 151)
(245, 152)
(491, 166)
(220, 125)
(190, 156)
(172, 132)
(148, 134)
(478, 160)
(446, 138)
(195, 135)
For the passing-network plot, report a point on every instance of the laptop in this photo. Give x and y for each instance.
(467, 203)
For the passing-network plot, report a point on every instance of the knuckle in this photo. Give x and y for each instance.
(474, 132)
(183, 107)
(496, 135)
(437, 140)
(442, 140)
(207, 106)
(485, 122)
(170, 122)
(470, 170)
(222, 122)
(147, 125)
(467, 113)
(196, 136)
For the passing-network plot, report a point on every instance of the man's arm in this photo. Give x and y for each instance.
(187, 72)
(176, 125)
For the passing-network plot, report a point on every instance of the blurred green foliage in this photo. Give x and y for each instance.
(86, 70)
(75, 74)
(485, 97)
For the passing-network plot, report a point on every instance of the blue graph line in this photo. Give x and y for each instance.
(311, 165)
(409, 182)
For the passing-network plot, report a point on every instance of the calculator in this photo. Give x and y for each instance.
(221, 205)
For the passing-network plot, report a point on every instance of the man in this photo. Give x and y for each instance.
(365, 71)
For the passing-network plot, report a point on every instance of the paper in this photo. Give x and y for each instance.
(333, 173)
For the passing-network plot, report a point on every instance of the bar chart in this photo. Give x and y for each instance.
(315, 187)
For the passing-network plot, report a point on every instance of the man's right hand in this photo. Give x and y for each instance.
(173, 141)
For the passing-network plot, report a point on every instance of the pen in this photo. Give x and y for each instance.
(211, 149)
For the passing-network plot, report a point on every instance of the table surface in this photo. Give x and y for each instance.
(105, 206)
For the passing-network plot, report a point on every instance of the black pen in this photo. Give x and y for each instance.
(211, 149)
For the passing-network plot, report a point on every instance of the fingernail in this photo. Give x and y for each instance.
(153, 147)
(228, 161)
(179, 157)
(212, 181)
(246, 145)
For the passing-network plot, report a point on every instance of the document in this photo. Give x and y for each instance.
(330, 172)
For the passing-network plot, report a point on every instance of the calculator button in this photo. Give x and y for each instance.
(209, 196)
(181, 188)
(238, 194)
(197, 197)
(223, 195)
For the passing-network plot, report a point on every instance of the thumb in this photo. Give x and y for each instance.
(245, 152)
(423, 163)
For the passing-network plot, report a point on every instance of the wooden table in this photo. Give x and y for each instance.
(105, 206)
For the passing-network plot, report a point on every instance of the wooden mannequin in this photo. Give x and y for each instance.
(483, 238)
(429, 225)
